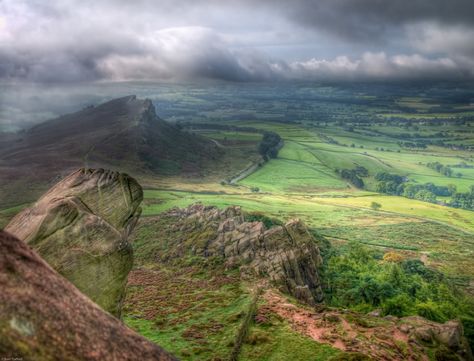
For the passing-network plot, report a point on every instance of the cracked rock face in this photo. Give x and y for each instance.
(287, 255)
(81, 228)
(44, 317)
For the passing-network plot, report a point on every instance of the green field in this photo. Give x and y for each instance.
(302, 182)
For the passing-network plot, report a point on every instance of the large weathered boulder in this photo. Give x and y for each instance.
(287, 255)
(44, 317)
(447, 337)
(81, 228)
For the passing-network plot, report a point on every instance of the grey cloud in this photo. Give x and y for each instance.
(431, 38)
(381, 67)
(183, 53)
(368, 20)
(65, 41)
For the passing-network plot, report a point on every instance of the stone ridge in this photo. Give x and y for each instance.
(44, 317)
(287, 255)
(81, 228)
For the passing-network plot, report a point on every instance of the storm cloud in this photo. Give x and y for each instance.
(370, 20)
(352, 40)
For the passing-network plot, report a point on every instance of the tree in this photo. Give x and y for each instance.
(425, 195)
(269, 145)
(397, 306)
(361, 171)
(388, 177)
(375, 206)
(352, 176)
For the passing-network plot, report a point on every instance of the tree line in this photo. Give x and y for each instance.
(395, 184)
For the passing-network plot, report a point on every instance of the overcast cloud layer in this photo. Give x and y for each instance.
(60, 41)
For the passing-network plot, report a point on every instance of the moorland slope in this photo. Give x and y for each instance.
(124, 134)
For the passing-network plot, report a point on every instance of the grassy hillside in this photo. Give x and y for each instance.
(302, 182)
(201, 307)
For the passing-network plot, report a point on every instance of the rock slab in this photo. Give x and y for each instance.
(44, 317)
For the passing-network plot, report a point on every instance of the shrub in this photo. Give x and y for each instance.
(260, 217)
(375, 206)
(430, 311)
(392, 257)
(397, 306)
(356, 278)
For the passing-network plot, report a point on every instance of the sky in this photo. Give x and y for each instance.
(68, 42)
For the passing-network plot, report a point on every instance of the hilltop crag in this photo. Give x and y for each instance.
(121, 134)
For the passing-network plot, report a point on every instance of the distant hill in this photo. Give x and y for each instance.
(123, 134)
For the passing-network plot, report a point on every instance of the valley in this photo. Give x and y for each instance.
(302, 182)
(386, 198)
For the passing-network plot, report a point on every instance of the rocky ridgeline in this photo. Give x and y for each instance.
(81, 228)
(287, 255)
(44, 317)
(123, 132)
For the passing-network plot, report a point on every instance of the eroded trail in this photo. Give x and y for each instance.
(381, 339)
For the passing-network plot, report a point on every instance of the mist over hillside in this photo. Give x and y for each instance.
(23, 105)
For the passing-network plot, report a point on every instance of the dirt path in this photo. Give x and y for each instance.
(218, 144)
(303, 321)
(347, 331)
(246, 172)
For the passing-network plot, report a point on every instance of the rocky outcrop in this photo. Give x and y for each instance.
(81, 228)
(448, 337)
(44, 317)
(287, 255)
